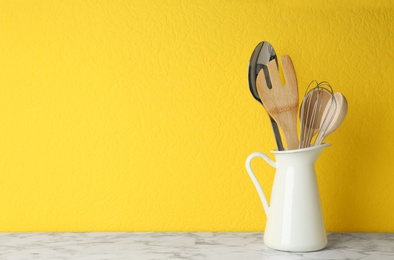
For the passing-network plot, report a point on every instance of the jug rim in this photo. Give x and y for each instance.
(302, 149)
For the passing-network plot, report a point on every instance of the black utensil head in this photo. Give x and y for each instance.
(262, 54)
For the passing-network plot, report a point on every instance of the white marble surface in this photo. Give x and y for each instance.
(144, 246)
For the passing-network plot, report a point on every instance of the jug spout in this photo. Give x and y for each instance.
(302, 156)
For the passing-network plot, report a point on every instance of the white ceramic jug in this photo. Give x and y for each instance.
(294, 216)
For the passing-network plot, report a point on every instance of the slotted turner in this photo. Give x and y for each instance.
(281, 101)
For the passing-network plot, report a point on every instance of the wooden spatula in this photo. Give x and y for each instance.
(281, 102)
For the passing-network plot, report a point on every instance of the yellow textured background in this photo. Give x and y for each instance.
(136, 115)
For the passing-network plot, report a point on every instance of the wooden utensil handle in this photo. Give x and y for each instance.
(289, 128)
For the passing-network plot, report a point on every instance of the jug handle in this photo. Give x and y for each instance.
(254, 179)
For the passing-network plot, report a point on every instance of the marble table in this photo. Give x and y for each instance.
(240, 246)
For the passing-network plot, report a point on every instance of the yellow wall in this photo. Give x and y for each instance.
(136, 115)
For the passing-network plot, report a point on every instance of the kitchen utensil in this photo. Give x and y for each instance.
(262, 54)
(294, 217)
(312, 111)
(335, 117)
(280, 101)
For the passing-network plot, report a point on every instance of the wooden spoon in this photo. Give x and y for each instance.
(333, 117)
(281, 102)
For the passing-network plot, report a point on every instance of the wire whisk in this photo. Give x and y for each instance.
(316, 113)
